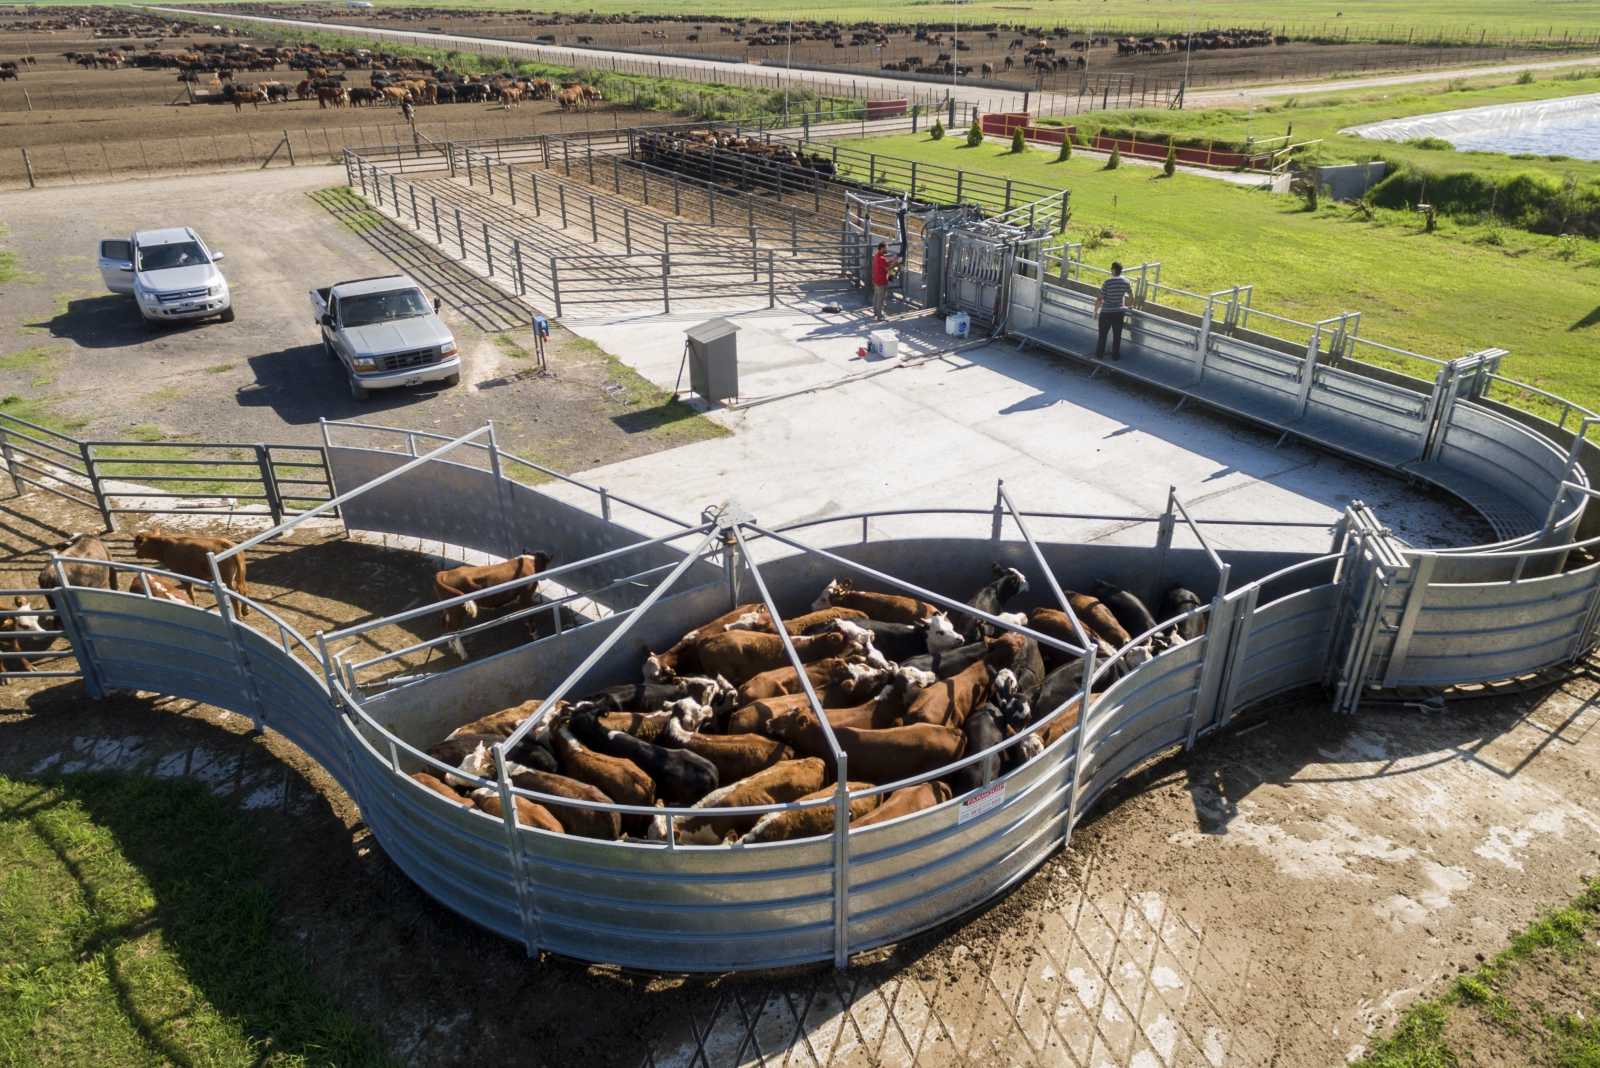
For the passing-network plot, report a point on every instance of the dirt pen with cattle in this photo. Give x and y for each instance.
(124, 95)
(661, 777)
(1061, 59)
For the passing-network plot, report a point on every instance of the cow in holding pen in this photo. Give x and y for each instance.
(459, 581)
(186, 554)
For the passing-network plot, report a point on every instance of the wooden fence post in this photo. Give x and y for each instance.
(27, 165)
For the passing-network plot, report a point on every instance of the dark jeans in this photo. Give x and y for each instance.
(1110, 322)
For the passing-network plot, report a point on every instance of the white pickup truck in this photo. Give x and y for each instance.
(386, 333)
(171, 274)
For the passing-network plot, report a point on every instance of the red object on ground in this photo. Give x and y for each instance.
(1004, 123)
(887, 109)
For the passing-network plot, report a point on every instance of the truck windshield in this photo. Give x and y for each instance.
(165, 257)
(382, 307)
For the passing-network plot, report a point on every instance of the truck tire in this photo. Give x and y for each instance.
(453, 380)
(227, 316)
(358, 391)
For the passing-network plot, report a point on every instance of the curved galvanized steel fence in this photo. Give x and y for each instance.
(1371, 613)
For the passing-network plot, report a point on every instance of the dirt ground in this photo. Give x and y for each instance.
(1269, 899)
(1296, 59)
(81, 125)
(72, 353)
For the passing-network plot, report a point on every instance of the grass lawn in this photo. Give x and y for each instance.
(1323, 116)
(1536, 1004)
(1455, 19)
(1461, 289)
(135, 930)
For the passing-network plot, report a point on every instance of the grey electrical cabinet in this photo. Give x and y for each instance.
(714, 360)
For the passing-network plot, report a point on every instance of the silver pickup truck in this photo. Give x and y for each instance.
(386, 334)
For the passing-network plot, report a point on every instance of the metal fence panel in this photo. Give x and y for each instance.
(1286, 645)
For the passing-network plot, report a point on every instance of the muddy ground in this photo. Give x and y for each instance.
(1269, 899)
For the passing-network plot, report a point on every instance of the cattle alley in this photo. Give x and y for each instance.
(1178, 927)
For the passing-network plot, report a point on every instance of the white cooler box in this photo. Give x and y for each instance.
(883, 344)
(957, 324)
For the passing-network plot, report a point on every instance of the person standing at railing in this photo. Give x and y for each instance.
(1111, 310)
(883, 266)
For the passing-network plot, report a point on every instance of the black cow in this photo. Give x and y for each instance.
(1008, 583)
(682, 777)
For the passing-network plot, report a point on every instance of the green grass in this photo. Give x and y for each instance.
(135, 929)
(1509, 996)
(1462, 289)
(1323, 116)
(39, 364)
(350, 210)
(1360, 19)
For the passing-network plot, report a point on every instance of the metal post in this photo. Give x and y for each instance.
(627, 231)
(87, 453)
(528, 910)
(349, 174)
(516, 259)
(269, 483)
(488, 175)
(11, 462)
(772, 283)
(77, 636)
(555, 286)
(501, 488)
(258, 715)
(1313, 351)
(461, 235)
(561, 192)
(594, 226)
(511, 183)
(438, 234)
(1165, 529)
(488, 250)
(666, 292)
(394, 197)
(416, 220)
(361, 176)
(533, 181)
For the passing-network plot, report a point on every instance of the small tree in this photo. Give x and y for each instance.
(937, 133)
(1066, 150)
(1114, 160)
(974, 135)
(1017, 141)
(1170, 167)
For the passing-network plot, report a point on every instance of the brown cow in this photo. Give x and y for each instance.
(880, 755)
(502, 723)
(799, 624)
(809, 822)
(683, 657)
(836, 680)
(471, 578)
(159, 588)
(737, 655)
(1096, 618)
(903, 802)
(949, 701)
(583, 822)
(618, 778)
(21, 636)
(186, 554)
(785, 781)
(884, 607)
(755, 716)
(735, 756)
(800, 729)
(529, 813)
(94, 576)
(429, 782)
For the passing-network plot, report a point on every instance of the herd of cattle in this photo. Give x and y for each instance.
(721, 719)
(393, 79)
(23, 630)
(694, 152)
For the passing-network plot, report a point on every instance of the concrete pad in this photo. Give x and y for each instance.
(819, 431)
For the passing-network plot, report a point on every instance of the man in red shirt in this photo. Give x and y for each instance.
(882, 265)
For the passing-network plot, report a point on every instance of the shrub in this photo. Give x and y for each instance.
(1066, 150)
(1170, 167)
(1530, 200)
(974, 135)
(1436, 144)
(937, 133)
(1525, 78)
(1114, 160)
(1018, 142)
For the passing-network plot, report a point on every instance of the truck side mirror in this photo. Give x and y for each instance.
(218, 257)
(327, 320)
